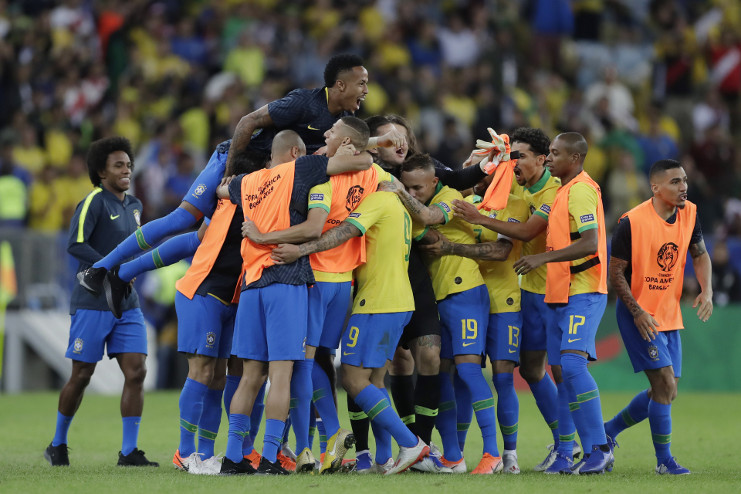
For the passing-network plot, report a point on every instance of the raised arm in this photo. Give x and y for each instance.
(704, 271)
(247, 125)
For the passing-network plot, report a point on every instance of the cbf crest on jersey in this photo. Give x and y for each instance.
(78, 345)
(199, 190)
(138, 217)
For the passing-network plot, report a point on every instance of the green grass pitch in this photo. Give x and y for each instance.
(705, 437)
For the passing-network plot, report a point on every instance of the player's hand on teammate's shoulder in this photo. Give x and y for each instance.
(252, 232)
(467, 212)
(322, 151)
(222, 191)
(285, 254)
(646, 325)
(704, 304)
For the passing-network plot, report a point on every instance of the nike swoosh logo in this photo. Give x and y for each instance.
(575, 339)
(512, 351)
(114, 217)
(348, 353)
(312, 128)
(469, 344)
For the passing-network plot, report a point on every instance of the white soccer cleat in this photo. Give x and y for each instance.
(510, 463)
(185, 464)
(377, 468)
(431, 463)
(543, 465)
(409, 456)
(209, 466)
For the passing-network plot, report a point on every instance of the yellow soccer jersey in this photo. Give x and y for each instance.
(450, 274)
(539, 199)
(500, 277)
(320, 196)
(382, 282)
(583, 216)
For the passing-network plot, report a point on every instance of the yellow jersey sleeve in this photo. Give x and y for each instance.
(367, 213)
(320, 196)
(582, 207)
(383, 175)
(543, 202)
(444, 200)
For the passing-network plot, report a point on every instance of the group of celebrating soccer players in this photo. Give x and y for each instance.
(326, 234)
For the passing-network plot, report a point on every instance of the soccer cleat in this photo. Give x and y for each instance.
(244, 467)
(383, 469)
(253, 458)
(561, 464)
(57, 456)
(363, 463)
(285, 461)
(549, 459)
(337, 447)
(91, 279)
(348, 465)
(116, 290)
(209, 466)
(510, 463)
(286, 450)
(488, 465)
(598, 462)
(271, 468)
(577, 467)
(431, 463)
(184, 464)
(135, 459)
(671, 467)
(305, 462)
(456, 466)
(409, 456)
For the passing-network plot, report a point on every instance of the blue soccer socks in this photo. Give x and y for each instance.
(660, 419)
(483, 404)
(635, 412)
(447, 418)
(208, 426)
(60, 434)
(575, 372)
(508, 409)
(378, 408)
(170, 252)
(191, 406)
(301, 392)
(545, 393)
(130, 434)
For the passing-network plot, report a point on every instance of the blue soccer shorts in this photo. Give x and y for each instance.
(205, 325)
(328, 307)
(370, 339)
(464, 317)
(271, 323)
(663, 351)
(91, 331)
(503, 336)
(574, 325)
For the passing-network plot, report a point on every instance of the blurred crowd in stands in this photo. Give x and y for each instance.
(641, 79)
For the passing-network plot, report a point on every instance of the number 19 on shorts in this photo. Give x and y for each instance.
(469, 329)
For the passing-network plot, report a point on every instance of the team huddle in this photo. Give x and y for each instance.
(325, 234)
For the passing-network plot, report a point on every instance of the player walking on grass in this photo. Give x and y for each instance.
(649, 250)
(104, 218)
(576, 291)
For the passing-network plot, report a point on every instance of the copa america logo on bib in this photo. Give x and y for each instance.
(210, 338)
(78, 345)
